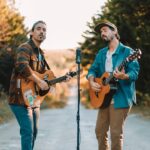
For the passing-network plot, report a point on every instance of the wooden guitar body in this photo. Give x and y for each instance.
(97, 98)
(30, 90)
(33, 96)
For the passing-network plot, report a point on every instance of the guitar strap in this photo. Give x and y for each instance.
(46, 64)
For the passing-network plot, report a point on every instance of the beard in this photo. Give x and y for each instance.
(42, 37)
(107, 39)
(106, 42)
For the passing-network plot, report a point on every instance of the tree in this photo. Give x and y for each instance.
(12, 29)
(132, 18)
(12, 34)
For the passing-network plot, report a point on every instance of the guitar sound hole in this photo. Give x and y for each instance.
(96, 93)
(104, 81)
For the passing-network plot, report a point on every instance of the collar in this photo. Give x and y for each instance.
(120, 46)
(35, 48)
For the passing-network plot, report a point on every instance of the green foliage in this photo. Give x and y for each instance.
(5, 112)
(12, 29)
(12, 34)
(132, 18)
(6, 67)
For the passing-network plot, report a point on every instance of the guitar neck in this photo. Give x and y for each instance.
(62, 78)
(120, 67)
(57, 80)
(135, 55)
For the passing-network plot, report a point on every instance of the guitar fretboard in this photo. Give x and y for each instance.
(63, 78)
(120, 67)
(57, 80)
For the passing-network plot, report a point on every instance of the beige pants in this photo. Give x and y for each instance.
(113, 119)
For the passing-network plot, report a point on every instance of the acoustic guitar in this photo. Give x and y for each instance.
(103, 98)
(33, 96)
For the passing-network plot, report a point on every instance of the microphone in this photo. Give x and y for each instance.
(78, 55)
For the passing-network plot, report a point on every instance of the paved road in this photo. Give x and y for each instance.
(58, 130)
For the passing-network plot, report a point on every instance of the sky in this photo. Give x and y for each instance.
(66, 19)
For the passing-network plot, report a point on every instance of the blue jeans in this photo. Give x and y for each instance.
(28, 121)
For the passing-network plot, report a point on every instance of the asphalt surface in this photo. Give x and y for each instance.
(58, 130)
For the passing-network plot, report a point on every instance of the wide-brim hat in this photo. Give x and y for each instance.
(104, 23)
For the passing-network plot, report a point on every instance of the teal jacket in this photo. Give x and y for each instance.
(126, 93)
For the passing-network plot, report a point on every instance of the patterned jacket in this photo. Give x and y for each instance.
(28, 58)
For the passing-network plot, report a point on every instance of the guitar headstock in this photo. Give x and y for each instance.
(74, 73)
(136, 55)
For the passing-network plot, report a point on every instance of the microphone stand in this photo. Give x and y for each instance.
(78, 61)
